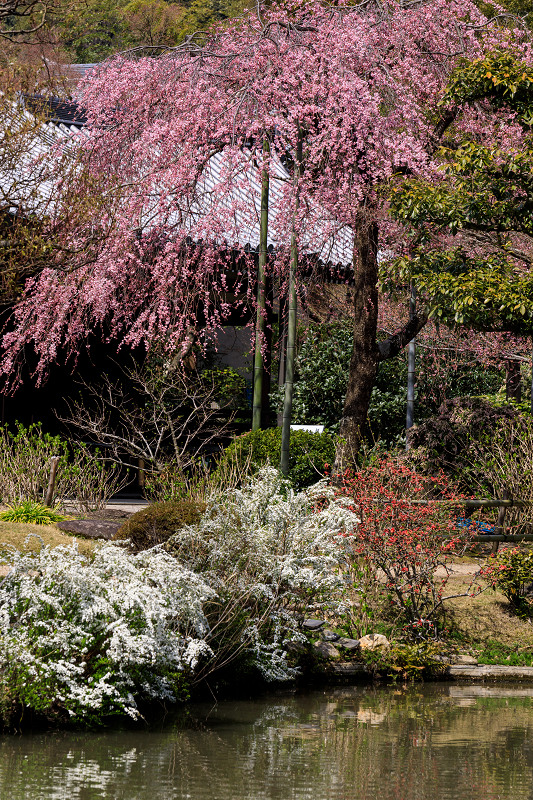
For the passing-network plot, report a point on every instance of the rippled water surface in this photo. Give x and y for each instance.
(421, 743)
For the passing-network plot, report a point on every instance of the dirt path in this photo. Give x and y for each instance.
(461, 568)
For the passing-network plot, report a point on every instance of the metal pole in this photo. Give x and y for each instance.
(257, 403)
(411, 372)
(291, 328)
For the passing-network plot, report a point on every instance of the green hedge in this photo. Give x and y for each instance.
(309, 456)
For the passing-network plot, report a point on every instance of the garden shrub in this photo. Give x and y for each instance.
(406, 541)
(82, 478)
(172, 482)
(512, 573)
(89, 481)
(451, 440)
(157, 523)
(85, 637)
(273, 556)
(501, 466)
(25, 457)
(309, 456)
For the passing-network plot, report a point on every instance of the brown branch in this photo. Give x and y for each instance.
(390, 347)
(22, 9)
(447, 119)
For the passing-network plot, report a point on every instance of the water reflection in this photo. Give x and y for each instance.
(421, 743)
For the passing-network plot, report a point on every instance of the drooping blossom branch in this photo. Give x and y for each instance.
(174, 156)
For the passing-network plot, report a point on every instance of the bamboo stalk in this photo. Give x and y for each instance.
(291, 332)
(289, 365)
(257, 403)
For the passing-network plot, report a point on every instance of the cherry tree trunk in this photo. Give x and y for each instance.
(365, 354)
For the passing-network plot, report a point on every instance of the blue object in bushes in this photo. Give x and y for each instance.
(477, 527)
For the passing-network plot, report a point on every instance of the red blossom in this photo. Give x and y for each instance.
(404, 538)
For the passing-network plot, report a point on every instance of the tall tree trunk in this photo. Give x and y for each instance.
(365, 355)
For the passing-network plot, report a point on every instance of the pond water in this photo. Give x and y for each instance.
(429, 742)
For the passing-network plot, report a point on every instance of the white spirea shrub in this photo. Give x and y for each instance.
(90, 636)
(273, 552)
(95, 635)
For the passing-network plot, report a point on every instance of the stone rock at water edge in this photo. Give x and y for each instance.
(374, 641)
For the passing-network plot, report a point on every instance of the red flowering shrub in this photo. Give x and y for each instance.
(408, 544)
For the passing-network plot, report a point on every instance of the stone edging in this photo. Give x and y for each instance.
(480, 672)
(490, 672)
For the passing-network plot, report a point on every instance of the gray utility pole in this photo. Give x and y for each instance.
(260, 325)
(411, 372)
(291, 328)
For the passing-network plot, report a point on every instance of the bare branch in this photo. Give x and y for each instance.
(152, 414)
(392, 346)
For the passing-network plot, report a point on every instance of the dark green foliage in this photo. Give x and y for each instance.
(322, 374)
(386, 413)
(157, 523)
(449, 440)
(310, 454)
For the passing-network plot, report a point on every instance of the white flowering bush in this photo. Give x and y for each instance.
(272, 555)
(84, 637)
(89, 637)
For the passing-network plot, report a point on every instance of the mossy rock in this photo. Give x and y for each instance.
(158, 522)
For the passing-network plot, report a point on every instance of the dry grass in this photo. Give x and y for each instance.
(487, 617)
(23, 536)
